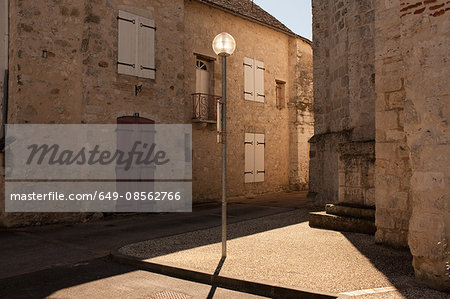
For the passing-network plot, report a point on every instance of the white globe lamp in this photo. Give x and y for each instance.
(224, 44)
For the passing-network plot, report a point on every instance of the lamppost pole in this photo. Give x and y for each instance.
(224, 45)
(224, 156)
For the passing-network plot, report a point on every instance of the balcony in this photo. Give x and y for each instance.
(204, 108)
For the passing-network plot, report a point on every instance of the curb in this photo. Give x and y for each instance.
(327, 221)
(273, 290)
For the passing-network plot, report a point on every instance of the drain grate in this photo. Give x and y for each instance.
(169, 295)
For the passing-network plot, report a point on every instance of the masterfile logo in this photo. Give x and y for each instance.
(53, 155)
(98, 168)
(99, 152)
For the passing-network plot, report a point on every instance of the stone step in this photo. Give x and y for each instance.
(351, 211)
(340, 223)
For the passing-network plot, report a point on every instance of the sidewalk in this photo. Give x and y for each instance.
(71, 260)
(30, 249)
(101, 278)
(283, 249)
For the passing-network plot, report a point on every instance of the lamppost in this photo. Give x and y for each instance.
(224, 45)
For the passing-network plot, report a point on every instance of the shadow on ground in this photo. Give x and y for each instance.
(37, 261)
(216, 273)
(44, 283)
(395, 264)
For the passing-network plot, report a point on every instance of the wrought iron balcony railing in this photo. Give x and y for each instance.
(204, 107)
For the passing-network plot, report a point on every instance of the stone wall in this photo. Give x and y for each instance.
(393, 167)
(63, 69)
(342, 149)
(425, 48)
(411, 111)
(301, 117)
(413, 152)
(78, 81)
(285, 58)
(3, 56)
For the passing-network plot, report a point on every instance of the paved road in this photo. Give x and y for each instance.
(38, 261)
(101, 278)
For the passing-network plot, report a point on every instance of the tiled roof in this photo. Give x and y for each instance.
(250, 10)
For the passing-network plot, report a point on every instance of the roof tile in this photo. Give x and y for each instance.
(250, 10)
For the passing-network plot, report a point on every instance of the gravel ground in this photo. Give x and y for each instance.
(284, 249)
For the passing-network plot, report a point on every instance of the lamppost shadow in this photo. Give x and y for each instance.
(216, 273)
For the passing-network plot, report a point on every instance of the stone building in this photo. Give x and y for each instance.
(381, 137)
(90, 62)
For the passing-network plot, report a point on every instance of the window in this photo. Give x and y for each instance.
(202, 65)
(253, 80)
(281, 87)
(254, 157)
(136, 52)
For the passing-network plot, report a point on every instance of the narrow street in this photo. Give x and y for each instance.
(72, 260)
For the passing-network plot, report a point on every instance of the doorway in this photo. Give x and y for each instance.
(202, 89)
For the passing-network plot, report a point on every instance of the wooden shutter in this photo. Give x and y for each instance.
(127, 44)
(259, 157)
(146, 48)
(249, 79)
(259, 81)
(249, 174)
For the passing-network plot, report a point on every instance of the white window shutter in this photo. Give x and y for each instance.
(127, 43)
(259, 81)
(249, 79)
(249, 174)
(146, 48)
(259, 157)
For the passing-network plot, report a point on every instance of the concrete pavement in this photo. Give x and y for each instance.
(69, 261)
(283, 250)
(27, 253)
(100, 278)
